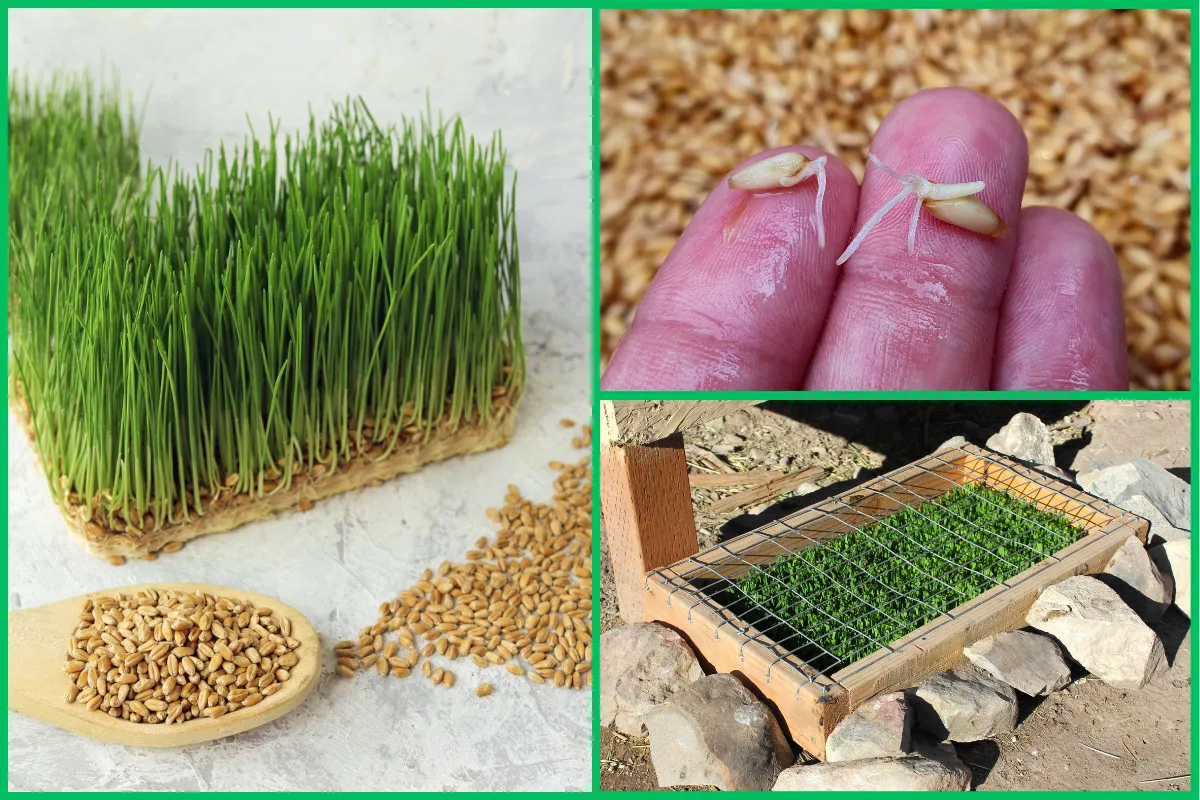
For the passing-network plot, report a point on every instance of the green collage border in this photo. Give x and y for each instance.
(1192, 396)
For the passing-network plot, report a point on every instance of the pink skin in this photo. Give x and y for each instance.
(724, 315)
(758, 314)
(1062, 264)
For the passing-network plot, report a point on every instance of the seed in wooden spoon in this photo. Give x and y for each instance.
(168, 657)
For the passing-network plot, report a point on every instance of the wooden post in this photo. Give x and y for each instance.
(647, 507)
(645, 497)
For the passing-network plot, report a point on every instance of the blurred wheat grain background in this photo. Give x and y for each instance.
(1103, 96)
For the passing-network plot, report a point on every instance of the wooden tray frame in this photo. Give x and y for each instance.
(809, 705)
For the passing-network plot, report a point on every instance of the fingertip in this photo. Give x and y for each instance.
(951, 135)
(919, 297)
(740, 301)
(952, 107)
(1073, 235)
(1062, 322)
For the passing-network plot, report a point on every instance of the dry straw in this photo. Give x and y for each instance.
(1103, 96)
(168, 657)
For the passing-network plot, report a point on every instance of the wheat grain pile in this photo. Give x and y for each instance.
(167, 657)
(1103, 96)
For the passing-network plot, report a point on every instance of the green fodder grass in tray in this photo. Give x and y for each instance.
(869, 587)
(283, 310)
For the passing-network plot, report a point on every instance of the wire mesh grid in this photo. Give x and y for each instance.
(834, 588)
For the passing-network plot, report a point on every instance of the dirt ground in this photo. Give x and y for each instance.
(1089, 736)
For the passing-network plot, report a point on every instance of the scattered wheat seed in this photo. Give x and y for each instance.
(466, 610)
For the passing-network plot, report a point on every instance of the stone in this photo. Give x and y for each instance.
(1029, 662)
(964, 704)
(941, 752)
(1025, 438)
(896, 774)
(879, 727)
(952, 442)
(1118, 484)
(1138, 581)
(1160, 529)
(1099, 631)
(1175, 559)
(714, 732)
(641, 666)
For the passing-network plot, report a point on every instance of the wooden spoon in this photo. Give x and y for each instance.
(38, 683)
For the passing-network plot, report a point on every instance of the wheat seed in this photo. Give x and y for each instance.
(167, 657)
(523, 594)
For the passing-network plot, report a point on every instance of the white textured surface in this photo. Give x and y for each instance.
(524, 72)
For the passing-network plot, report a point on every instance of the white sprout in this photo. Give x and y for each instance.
(817, 167)
(786, 170)
(924, 189)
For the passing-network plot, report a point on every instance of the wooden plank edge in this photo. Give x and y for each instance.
(807, 711)
(767, 490)
(705, 480)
